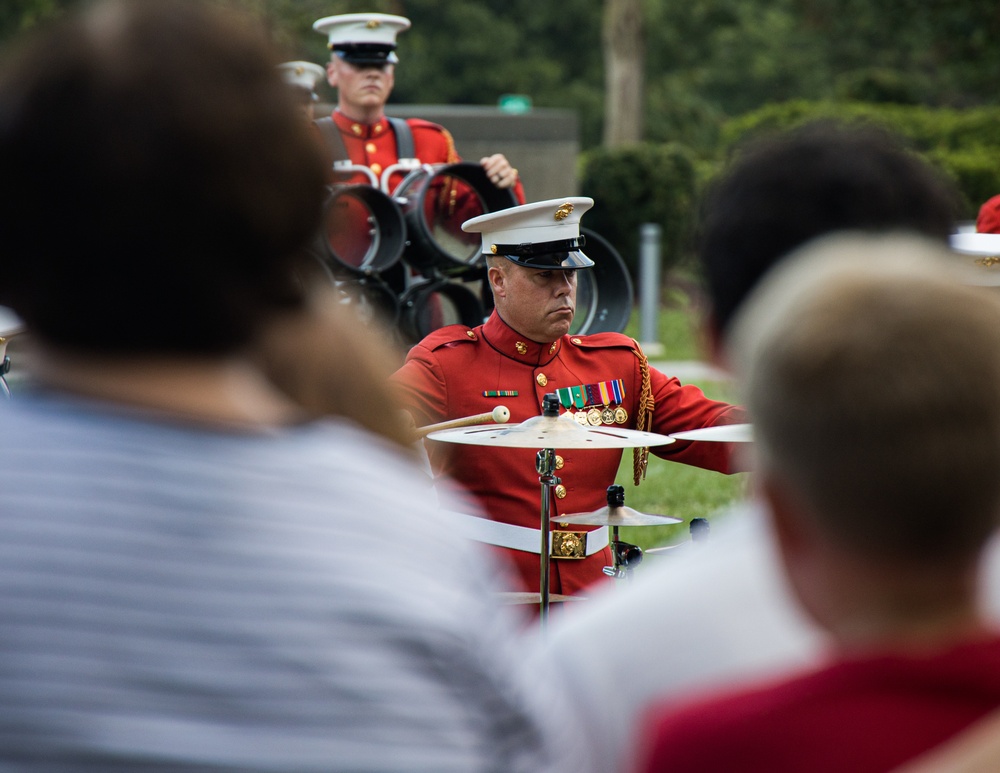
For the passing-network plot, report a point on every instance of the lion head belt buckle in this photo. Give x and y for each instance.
(569, 544)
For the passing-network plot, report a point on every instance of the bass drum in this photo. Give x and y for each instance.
(436, 199)
(604, 293)
(430, 305)
(363, 231)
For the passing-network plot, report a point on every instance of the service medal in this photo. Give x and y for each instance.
(608, 416)
(594, 417)
(603, 394)
(581, 418)
(621, 415)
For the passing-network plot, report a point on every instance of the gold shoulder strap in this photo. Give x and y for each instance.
(643, 416)
(452, 157)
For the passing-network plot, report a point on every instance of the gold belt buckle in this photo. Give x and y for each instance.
(569, 544)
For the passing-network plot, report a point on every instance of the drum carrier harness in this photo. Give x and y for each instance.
(335, 143)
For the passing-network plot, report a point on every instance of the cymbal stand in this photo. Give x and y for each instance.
(4, 369)
(625, 556)
(545, 465)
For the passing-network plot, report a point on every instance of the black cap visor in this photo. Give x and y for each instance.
(565, 254)
(367, 54)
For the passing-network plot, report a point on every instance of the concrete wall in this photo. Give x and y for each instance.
(543, 144)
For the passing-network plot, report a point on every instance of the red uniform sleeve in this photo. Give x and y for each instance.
(680, 407)
(420, 385)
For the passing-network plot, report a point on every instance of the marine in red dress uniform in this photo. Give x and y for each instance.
(523, 352)
(374, 145)
(362, 69)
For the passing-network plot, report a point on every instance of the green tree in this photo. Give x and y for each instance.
(636, 184)
(704, 60)
(17, 16)
(623, 44)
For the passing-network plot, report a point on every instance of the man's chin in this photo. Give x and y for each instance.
(561, 329)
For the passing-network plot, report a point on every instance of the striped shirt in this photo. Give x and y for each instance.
(180, 598)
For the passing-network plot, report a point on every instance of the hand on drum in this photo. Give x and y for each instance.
(499, 170)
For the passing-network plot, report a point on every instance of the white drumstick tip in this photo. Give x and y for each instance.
(501, 415)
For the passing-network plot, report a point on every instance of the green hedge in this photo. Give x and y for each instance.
(965, 144)
(636, 184)
(660, 182)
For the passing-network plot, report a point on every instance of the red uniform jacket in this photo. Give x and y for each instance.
(445, 376)
(374, 146)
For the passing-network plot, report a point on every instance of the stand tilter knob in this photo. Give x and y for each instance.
(616, 495)
(626, 556)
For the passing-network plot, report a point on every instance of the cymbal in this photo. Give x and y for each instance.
(550, 432)
(527, 597)
(665, 548)
(617, 516)
(721, 433)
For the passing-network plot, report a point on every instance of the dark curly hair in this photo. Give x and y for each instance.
(159, 184)
(783, 190)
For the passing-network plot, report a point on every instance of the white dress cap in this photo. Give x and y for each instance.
(305, 75)
(974, 243)
(540, 234)
(363, 38)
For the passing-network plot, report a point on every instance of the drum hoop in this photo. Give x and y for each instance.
(423, 251)
(367, 285)
(614, 294)
(389, 240)
(469, 305)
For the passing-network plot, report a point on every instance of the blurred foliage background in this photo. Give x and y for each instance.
(705, 60)
(714, 73)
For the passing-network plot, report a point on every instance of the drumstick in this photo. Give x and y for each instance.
(500, 415)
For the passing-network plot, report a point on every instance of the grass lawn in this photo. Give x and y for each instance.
(679, 326)
(671, 488)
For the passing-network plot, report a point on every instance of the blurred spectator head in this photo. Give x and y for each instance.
(785, 189)
(159, 183)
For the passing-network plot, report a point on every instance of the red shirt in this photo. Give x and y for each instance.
(863, 715)
(445, 376)
(374, 146)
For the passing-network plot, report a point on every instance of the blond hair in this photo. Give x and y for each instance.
(873, 380)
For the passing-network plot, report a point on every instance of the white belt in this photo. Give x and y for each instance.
(507, 535)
